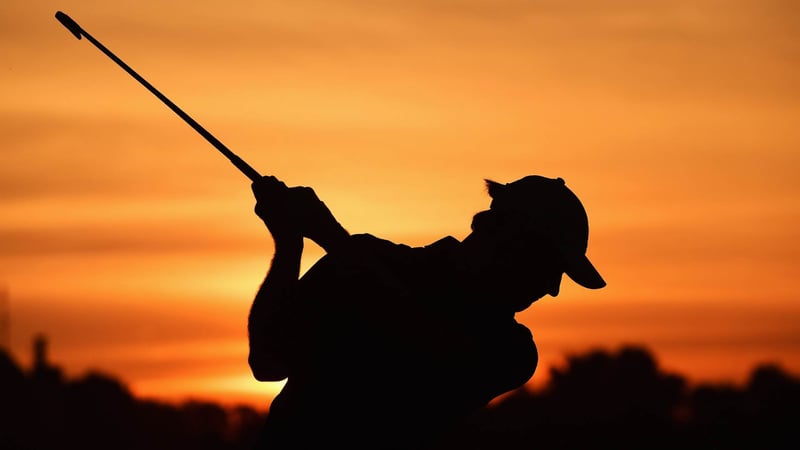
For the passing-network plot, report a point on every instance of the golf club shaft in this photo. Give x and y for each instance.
(240, 164)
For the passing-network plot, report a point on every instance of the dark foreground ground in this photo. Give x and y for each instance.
(602, 399)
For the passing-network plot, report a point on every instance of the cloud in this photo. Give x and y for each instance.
(123, 156)
(163, 238)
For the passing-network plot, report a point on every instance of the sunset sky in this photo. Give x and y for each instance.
(132, 244)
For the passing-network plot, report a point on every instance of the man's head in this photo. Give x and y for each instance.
(535, 230)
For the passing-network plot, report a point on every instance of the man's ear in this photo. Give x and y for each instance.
(494, 188)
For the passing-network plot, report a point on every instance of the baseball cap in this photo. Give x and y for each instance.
(558, 213)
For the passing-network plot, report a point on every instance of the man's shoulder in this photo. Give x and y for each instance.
(366, 241)
(359, 255)
(367, 253)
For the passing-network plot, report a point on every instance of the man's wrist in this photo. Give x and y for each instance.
(334, 238)
(293, 244)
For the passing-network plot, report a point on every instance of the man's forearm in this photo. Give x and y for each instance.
(332, 238)
(268, 326)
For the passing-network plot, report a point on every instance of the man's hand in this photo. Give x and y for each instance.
(292, 213)
(274, 208)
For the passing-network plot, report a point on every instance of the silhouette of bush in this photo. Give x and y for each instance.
(623, 393)
(99, 411)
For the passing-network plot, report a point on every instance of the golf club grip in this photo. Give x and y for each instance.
(238, 162)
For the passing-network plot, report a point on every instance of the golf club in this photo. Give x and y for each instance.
(240, 164)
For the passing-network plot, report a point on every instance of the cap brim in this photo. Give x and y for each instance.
(581, 271)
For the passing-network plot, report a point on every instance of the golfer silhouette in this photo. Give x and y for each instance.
(386, 346)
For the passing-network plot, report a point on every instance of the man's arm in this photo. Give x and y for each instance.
(269, 325)
(290, 214)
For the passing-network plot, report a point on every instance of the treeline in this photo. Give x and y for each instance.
(41, 409)
(621, 400)
(601, 399)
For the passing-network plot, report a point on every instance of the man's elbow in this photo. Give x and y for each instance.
(267, 369)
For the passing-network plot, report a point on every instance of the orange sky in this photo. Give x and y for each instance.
(128, 240)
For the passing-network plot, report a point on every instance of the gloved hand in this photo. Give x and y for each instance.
(291, 213)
